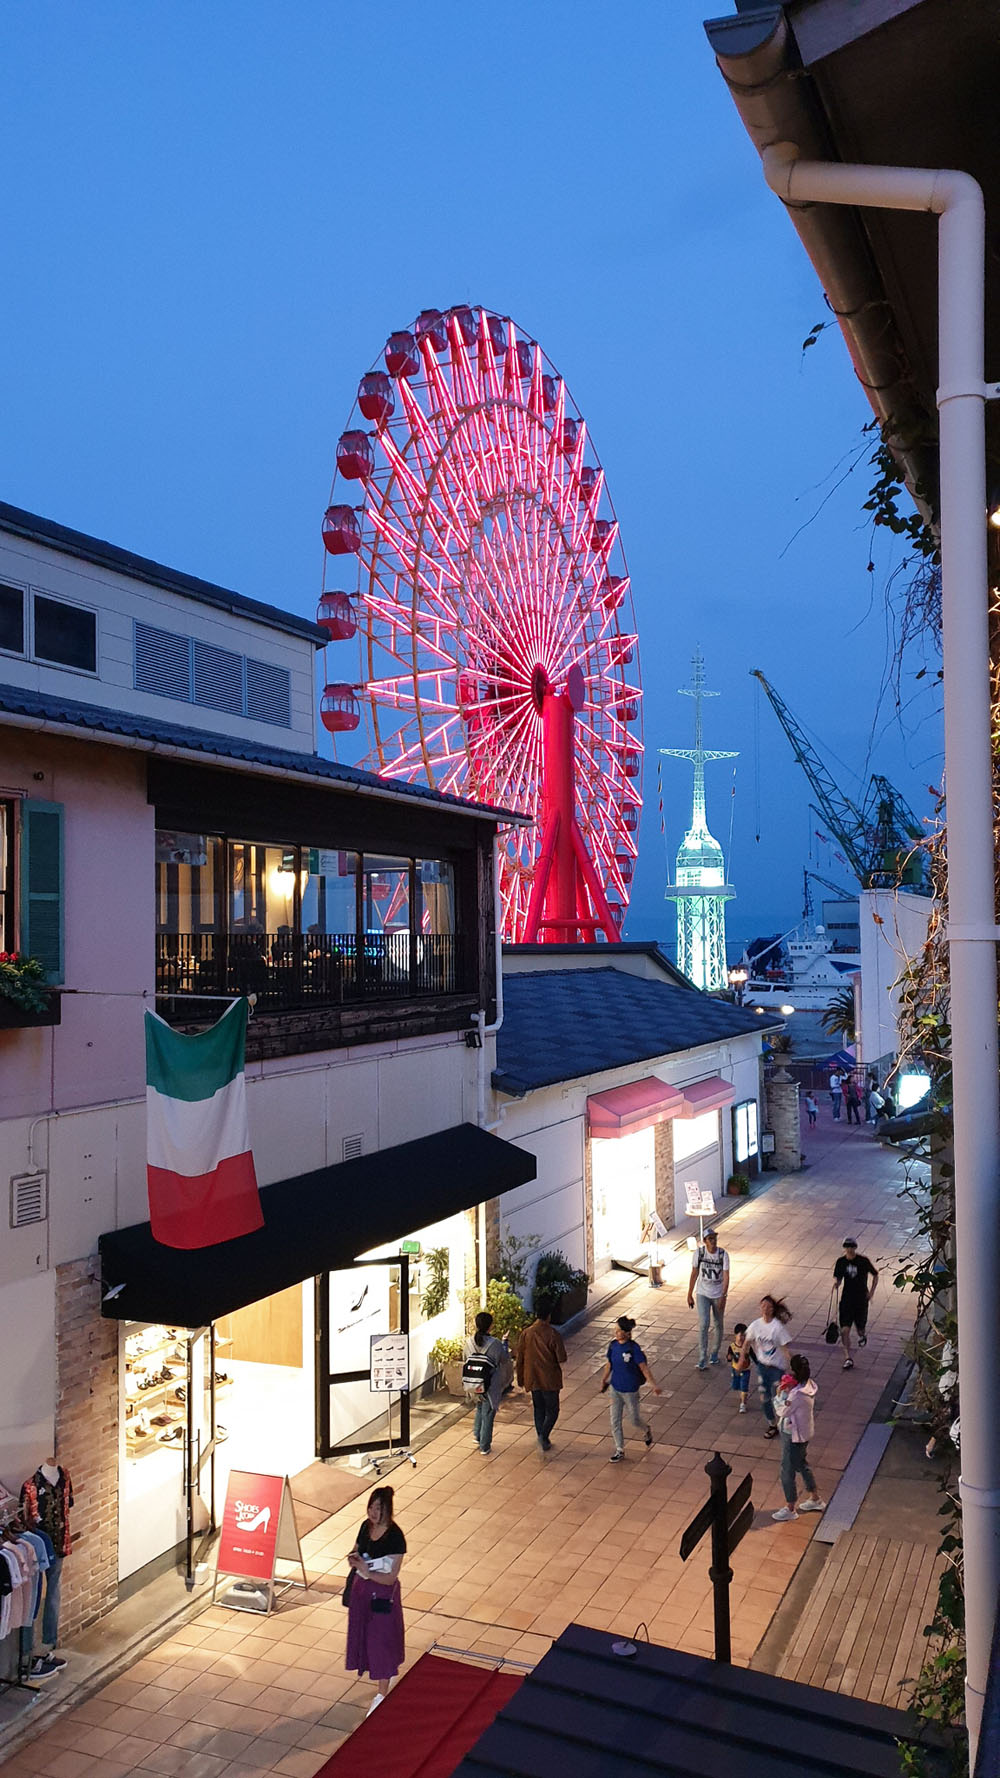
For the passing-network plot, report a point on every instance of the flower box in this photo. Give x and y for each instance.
(18, 1018)
(569, 1303)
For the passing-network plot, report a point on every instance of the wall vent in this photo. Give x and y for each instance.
(162, 663)
(218, 678)
(194, 672)
(28, 1199)
(268, 693)
(353, 1148)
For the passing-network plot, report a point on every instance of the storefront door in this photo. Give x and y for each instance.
(199, 1445)
(623, 1172)
(353, 1307)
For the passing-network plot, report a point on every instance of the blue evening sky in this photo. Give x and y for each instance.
(214, 215)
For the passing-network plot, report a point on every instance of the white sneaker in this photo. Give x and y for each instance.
(376, 1701)
(812, 1506)
(743, 1407)
(784, 1514)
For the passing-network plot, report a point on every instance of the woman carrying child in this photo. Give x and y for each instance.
(794, 1405)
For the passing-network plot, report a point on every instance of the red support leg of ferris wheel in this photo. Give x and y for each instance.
(568, 904)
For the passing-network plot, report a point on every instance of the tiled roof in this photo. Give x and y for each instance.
(562, 1024)
(18, 523)
(627, 947)
(125, 725)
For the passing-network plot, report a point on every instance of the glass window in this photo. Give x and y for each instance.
(8, 930)
(65, 634)
(330, 892)
(435, 897)
(188, 882)
(263, 888)
(386, 894)
(692, 1134)
(12, 619)
(745, 1130)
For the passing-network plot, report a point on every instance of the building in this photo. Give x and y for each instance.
(700, 889)
(170, 839)
(629, 1086)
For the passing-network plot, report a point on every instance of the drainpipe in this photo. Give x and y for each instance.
(957, 200)
(488, 1030)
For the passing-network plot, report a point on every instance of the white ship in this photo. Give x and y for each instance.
(801, 970)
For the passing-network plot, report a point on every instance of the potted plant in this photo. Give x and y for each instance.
(445, 1357)
(25, 998)
(563, 1284)
(738, 1185)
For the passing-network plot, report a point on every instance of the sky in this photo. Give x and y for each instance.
(213, 217)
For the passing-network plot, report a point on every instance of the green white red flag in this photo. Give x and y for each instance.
(199, 1165)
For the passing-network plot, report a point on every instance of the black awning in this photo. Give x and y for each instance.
(317, 1222)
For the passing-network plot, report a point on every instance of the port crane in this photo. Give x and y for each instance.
(880, 841)
(837, 889)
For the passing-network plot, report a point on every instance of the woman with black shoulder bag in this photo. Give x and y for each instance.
(375, 1641)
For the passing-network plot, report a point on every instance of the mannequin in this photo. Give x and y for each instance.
(46, 1499)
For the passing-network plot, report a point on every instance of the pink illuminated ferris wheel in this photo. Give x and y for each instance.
(483, 573)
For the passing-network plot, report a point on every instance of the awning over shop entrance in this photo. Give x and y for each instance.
(317, 1222)
(638, 1105)
(707, 1095)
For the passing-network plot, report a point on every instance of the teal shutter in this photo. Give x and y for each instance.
(41, 900)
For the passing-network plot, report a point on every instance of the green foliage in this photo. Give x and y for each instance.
(738, 1183)
(438, 1287)
(506, 1308)
(554, 1277)
(838, 1015)
(22, 980)
(444, 1352)
(513, 1254)
(883, 504)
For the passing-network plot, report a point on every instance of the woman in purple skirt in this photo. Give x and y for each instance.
(375, 1609)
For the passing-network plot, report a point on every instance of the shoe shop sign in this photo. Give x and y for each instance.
(258, 1532)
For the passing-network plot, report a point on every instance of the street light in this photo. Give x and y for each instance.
(738, 979)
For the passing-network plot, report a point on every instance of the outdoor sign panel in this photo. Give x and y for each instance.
(390, 1362)
(258, 1531)
(696, 1201)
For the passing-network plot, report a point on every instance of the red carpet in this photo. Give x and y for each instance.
(428, 1723)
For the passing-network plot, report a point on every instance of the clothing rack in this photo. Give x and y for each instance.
(10, 1520)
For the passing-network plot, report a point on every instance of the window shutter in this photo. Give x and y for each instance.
(41, 898)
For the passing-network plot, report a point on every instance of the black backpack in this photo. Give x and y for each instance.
(477, 1373)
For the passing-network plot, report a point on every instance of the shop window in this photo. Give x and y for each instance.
(188, 882)
(330, 893)
(12, 619)
(386, 894)
(65, 634)
(693, 1134)
(744, 1131)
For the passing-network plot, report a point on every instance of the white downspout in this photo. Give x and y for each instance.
(484, 1030)
(972, 930)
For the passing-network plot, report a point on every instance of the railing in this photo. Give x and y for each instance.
(288, 971)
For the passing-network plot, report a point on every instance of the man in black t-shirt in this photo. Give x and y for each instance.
(857, 1278)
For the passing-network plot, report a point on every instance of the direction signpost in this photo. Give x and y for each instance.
(729, 1519)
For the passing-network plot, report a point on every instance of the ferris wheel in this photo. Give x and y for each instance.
(483, 574)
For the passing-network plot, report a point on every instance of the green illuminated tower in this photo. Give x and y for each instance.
(700, 889)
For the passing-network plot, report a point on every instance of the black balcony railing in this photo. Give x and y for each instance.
(292, 970)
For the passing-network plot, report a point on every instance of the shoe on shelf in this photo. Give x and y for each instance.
(812, 1506)
(649, 1436)
(848, 1364)
(42, 1667)
(785, 1514)
(617, 1457)
(772, 1432)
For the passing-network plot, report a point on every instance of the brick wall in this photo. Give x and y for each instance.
(87, 1443)
(588, 1204)
(663, 1170)
(783, 1118)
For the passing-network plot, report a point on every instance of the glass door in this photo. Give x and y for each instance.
(199, 1446)
(353, 1307)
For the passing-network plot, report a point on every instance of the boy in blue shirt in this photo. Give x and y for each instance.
(624, 1373)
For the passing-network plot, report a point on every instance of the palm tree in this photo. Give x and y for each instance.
(838, 1017)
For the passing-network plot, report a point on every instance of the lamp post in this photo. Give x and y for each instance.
(738, 979)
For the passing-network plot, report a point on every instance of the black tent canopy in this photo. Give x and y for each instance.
(317, 1222)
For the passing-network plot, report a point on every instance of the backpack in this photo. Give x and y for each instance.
(477, 1373)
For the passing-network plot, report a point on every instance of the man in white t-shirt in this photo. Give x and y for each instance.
(766, 1341)
(709, 1288)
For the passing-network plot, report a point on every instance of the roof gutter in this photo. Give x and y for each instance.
(973, 932)
(200, 756)
(758, 58)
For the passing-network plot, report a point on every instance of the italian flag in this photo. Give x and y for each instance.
(199, 1166)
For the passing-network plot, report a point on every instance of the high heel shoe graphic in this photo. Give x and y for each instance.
(262, 1518)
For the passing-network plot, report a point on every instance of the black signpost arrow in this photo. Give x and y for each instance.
(729, 1520)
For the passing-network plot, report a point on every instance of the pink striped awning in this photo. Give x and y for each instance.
(636, 1106)
(706, 1095)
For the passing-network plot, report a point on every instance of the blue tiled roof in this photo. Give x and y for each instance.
(122, 561)
(125, 724)
(562, 1024)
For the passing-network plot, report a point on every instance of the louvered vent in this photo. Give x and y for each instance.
(218, 678)
(28, 1199)
(162, 662)
(354, 1147)
(268, 694)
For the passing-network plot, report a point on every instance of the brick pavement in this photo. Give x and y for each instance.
(504, 1551)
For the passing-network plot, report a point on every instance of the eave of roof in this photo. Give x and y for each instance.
(31, 710)
(627, 947)
(68, 542)
(562, 1025)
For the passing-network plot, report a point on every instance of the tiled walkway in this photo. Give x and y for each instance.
(504, 1551)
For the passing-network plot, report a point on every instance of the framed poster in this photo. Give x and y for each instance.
(390, 1363)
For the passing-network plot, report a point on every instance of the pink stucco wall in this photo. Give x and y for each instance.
(96, 1053)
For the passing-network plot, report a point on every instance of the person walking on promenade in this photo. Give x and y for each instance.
(836, 1096)
(795, 1404)
(766, 1342)
(375, 1638)
(852, 1272)
(852, 1101)
(540, 1357)
(740, 1380)
(709, 1284)
(811, 1109)
(624, 1374)
(487, 1363)
(871, 1086)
